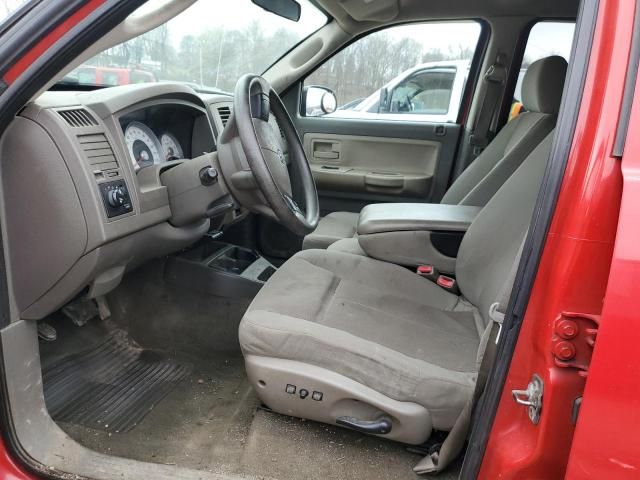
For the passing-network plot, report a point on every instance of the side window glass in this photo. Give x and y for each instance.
(545, 39)
(426, 92)
(410, 72)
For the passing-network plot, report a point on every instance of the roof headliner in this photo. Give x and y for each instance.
(358, 15)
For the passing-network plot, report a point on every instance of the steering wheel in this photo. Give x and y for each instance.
(294, 204)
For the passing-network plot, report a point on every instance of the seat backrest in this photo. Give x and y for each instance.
(541, 93)
(492, 243)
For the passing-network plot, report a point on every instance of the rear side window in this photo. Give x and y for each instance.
(545, 39)
(411, 72)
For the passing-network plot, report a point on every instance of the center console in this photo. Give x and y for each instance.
(414, 234)
(219, 268)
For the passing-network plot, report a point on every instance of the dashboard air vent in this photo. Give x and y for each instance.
(225, 113)
(98, 152)
(78, 117)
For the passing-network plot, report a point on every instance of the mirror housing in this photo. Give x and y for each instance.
(289, 9)
(318, 101)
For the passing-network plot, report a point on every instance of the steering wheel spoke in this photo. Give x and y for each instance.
(260, 106)
(294, 205)
(272, 149)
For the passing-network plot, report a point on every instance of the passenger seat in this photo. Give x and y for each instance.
(541, 93)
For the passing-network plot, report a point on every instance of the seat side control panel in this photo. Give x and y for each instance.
(116, 198)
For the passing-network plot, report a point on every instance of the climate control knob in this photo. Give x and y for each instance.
(116, 197)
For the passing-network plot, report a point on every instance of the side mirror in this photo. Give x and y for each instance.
(318, 101)
(383, 103)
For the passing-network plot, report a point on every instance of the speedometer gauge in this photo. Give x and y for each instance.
(143, 145)
(170, 147)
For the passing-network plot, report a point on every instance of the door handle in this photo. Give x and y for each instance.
(326, 155)
(325, 149)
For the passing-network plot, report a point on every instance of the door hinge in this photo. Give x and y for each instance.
(574, 335)
(531, 398)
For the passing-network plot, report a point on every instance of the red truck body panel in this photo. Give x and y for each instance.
(606, 443)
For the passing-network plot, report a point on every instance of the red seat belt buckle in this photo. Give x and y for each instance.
(448, 284)
(427, 271)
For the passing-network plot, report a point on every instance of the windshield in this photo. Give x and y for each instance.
(209, 46)
(8, 8)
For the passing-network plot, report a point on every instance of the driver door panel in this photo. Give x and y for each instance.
(372, 165)
(357, 162)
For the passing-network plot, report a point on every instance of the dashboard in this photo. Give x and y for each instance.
(90, 190)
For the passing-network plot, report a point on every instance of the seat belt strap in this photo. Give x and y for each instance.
(442, 455)
(494, 79)
(440, 458)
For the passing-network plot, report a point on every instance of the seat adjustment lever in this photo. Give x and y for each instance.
(379, 427)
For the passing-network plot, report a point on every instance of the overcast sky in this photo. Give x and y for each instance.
(238, 14)
(545, 38)
(548, 38)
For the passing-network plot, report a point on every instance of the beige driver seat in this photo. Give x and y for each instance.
(541, 93)
(334, 336)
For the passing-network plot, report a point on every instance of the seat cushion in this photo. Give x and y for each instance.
(348, 245)
(331, 228)
(376, 323)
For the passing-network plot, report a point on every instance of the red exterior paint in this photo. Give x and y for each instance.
(43, 45)
(111, 76)
(606, 441)
(573, 271)
(8, 468)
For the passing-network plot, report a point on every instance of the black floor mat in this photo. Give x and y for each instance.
(110, 387)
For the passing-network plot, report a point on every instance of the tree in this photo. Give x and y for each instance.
(433, 55)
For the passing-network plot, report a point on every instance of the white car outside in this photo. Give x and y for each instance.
(410, 98)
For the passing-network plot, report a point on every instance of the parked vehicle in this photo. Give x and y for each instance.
(110, 76)
(431, 90)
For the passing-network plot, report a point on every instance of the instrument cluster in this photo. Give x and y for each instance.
(145, 148)
(166, 130)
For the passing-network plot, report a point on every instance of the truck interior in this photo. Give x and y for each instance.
(221, 281)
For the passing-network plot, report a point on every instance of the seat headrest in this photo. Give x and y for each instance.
(543, 83)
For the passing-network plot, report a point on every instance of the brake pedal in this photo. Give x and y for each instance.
(46, 332)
